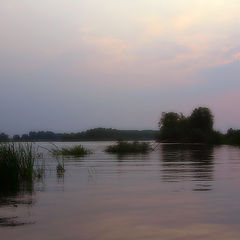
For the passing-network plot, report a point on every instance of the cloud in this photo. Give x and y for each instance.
(166, 54)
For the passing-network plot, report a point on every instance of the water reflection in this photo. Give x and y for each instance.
(12, 201)
(105, 198)
(183, 162)
(132, 157)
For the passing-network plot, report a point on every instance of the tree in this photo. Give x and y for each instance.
(16, 138)
(172, 126)
(169, 119)
(25, 137)
(3, 137)
(202, 119)
(198, 127)
(232, 137)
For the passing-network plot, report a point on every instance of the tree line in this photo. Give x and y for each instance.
(173, 128)
(96, 134)
(195, 128)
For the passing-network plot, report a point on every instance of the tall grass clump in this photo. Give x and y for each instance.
(78, 150)
(16, 163)
(123, 147)
(60, 168)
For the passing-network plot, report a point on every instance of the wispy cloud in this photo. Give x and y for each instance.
(158, 50)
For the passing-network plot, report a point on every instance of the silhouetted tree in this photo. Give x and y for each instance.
(202, 119)
(198, 127)
(3, 137)
(173, 127)
(25, 137)
(201, 123)
(16, 138)
(96, 134)
(232, 137)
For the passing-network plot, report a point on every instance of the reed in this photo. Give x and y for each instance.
(16, 163)
(71, 151)
(60, 168)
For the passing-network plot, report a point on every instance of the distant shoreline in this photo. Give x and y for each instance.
(96, 134)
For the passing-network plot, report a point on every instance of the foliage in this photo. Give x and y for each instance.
(3, 137)
(108, 134)
(122, 147)
(97, 134)
(16, 163)
(202, 119)
(71, 151)
(197, 128)
(60, 169)
(173, 126)
(16, 138)
(232, 137)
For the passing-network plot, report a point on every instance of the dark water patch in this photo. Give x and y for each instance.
(184, 162)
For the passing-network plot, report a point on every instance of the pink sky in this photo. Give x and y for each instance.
(116, 63)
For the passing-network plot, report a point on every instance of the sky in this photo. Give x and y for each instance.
(71, 65)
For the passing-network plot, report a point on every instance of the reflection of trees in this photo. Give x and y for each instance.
(188, 162)
(132, 157)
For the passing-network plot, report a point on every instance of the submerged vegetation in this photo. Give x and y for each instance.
(78, 150)
(60, 168)
(122, 147)
(17, 164)
(59, 153)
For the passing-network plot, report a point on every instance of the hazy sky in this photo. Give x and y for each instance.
(69, 65)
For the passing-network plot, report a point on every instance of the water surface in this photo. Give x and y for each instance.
(177, 192)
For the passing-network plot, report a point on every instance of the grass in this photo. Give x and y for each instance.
(77, 151)
(17, 163)
(71, 151)
(123, 147)
(60, 168)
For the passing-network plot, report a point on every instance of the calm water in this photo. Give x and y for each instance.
(176, 192)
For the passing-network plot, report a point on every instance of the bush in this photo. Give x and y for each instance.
(71, 151)
(232, 137)
(196, 128)
(122, 147)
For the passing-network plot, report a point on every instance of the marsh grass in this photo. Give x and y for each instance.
(56, 152)
(60, 168)
(60, 165)
(17, 164)
(71, 151)
(123, 147)
(39, 168)
(60, 153)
